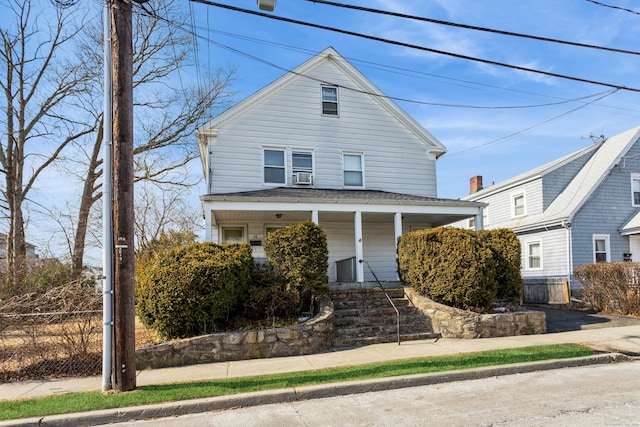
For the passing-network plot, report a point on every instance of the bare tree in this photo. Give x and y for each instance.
(166, 109)
(40, 82)
(158, 212)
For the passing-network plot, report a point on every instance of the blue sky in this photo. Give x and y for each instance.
(456, 99)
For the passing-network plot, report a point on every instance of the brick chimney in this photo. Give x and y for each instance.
(475, 184)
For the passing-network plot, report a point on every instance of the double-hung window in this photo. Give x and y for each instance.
(302, 164)
(534, 255)
(518, 205)
(274, 167)
(601, 248)
(302, 161)
(353, 170)
(635, 189)
(329, 100)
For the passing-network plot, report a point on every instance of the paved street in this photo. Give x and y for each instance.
(604, 395)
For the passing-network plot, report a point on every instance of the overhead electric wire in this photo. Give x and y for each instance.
(412, 46)
(559, 116)
(376, 94)
(614, 7)
(473, 27)
(405, 71)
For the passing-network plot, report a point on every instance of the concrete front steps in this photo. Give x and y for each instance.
(365, 316)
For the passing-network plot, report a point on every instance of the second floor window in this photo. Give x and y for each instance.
(302, 162)
(329, 100)
(635, 189)
(353, 170)
(274, 167)
(517, 204)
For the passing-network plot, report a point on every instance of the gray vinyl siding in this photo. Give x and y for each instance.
(557, 180)
(395, 159)
(500, 204)
(606, 211)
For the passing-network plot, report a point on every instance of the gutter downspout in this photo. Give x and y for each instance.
(567, 226)
(107, 220)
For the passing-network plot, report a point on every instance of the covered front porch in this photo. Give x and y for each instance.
(362, 226)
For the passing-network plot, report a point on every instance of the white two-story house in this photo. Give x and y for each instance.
(580, 209)
(323, 143)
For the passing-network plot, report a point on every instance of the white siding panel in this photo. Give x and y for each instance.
(291, 118)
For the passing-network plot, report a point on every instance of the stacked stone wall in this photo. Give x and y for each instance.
(454, 323)
(312, 336)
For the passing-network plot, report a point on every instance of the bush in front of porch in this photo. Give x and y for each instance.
(461, 268)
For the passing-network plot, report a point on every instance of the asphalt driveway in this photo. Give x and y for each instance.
(560, 320)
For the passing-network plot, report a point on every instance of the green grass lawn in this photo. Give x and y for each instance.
(88, 401)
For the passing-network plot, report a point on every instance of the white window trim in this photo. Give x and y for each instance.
(337, 101)
(607, 244)
(513, 205)
(527, 250)
(232, 226)
(286, 168)
(485, 216)
(634, 177)
(347, 153)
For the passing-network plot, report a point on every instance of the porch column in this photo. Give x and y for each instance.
(207, 224)
(479, 220)
(314, 217)
(357, 225)
(397, 225)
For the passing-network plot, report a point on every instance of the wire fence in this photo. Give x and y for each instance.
(50, 335)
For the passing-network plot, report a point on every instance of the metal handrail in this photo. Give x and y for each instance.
(388, 297)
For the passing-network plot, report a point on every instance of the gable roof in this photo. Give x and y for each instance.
(360, 83)
(533, 174)
(606, 155)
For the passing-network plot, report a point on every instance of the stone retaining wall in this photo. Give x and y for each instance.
(454, 323)
(313, 336)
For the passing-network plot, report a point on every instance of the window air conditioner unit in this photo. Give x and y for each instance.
(302, 178)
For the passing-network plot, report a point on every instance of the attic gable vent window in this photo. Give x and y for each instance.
(329, 101)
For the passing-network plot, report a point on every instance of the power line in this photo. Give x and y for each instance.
(391, 69)
(379, 95)
(473, 27)
(422, 48)
(552, 119)
(613, 7)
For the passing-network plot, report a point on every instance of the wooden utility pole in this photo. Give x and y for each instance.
(124, 297)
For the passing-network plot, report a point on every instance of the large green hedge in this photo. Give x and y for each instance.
(450, 265)
(194, 289)
(299, 252)
(505, 246)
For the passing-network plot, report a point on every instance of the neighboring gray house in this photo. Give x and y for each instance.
(322, 143)
(580, 209)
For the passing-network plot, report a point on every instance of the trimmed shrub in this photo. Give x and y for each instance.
(269, 298)
(299, 252)
(505, 247)
(192, 290)
(449, 265)
(611, 287)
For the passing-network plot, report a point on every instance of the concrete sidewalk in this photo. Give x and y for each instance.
(624, 339)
